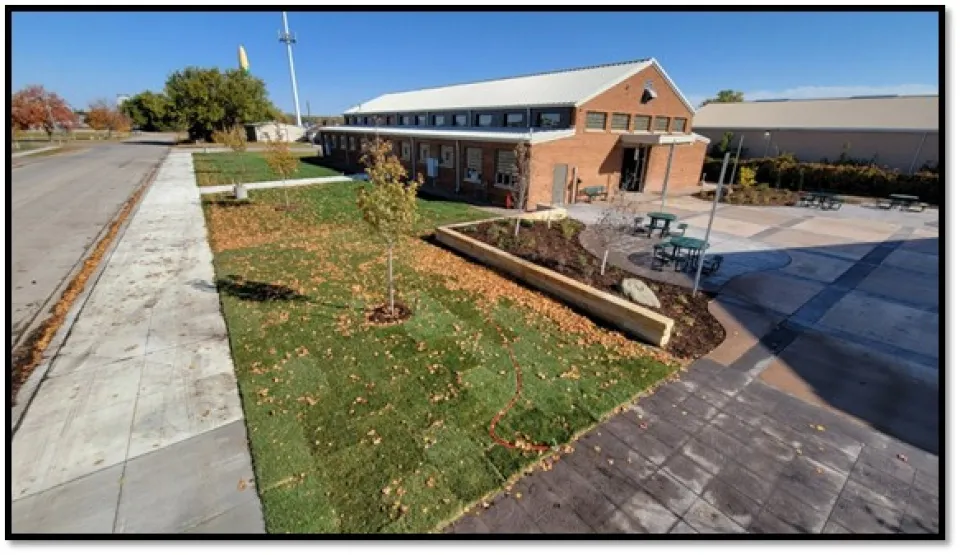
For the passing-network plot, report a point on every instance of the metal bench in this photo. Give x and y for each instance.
(593, 192)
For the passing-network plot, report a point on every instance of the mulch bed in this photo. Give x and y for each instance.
(754, 196)
(382, 314)
(696, 332)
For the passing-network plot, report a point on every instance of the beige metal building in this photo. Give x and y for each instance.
(270, 130)
(899, 132)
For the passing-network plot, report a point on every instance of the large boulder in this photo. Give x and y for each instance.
(638, 292)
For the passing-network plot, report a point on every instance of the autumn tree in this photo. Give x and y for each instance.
(726, 95)
(33, 106)
(99, 115)
(521, 154)
(282, 161)
(388, 205)
(235, 138)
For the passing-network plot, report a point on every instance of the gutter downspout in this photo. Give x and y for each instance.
(917, 153)
(457, 158)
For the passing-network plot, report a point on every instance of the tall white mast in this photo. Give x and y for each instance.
(288, 38)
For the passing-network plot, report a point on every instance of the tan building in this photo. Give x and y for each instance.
(900, 132)
(271, 130)
(611, 125)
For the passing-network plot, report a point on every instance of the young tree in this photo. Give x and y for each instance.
(235, 138)
(281, 161)
(100, 116)
(389, 204)
(33, 106)
(610, 227)
(148, 111)
(521, 153)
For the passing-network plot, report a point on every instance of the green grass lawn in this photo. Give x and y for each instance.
(221, 168)
(357, 428)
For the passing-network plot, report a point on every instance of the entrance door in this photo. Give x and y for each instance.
(559, 184)
(632, 169)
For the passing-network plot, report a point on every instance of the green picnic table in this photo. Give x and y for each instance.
(655, 218)
(906, 201)
(692, 245)
(593, 192)
(823, 199)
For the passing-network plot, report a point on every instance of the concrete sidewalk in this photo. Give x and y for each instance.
(212, 189)
(138, 426)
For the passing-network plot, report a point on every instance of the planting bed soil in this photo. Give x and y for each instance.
(557, 247)
(754, 196)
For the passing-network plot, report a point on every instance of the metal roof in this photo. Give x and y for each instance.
(880, 113)
(570, 87)
(509, 135)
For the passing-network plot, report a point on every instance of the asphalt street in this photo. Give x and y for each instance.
(60, 204)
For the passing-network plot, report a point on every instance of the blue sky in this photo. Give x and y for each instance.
(344, 58)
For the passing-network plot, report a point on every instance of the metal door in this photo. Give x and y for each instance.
(559, 184)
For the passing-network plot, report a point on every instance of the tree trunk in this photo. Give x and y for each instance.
(516, 228)
(603, 263)
(390, 275)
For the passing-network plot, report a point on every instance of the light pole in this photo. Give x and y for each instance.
(289, 39)
(706, 239)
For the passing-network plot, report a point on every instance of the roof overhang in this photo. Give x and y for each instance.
(650, 138)
(456, 134)
(760, 128)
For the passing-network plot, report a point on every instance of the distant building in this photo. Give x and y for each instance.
(900, 132)
(611, 125)
(271, 130)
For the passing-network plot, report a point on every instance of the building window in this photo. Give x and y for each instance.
(446, 156)
(366, 120)
(353, 143)
(506, 175)
(641, 122)
(596, 120)
(514, 120)
(471, 171)
(407, 120)
(460, 120)
(405, 151)
(484, 120)
(421, 120)
(548, 119)
(660, 123)
(343, 142)
(679, 125)
(424, 153)
(620, 122)
(388, 120)
(439, 121)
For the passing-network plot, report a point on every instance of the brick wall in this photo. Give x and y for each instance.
(597, 155)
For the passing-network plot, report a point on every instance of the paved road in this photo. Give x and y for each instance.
(60, 204)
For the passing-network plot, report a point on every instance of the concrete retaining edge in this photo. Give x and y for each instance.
(634, 319)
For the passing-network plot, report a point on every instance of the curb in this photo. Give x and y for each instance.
(30, 387)
(34, 151)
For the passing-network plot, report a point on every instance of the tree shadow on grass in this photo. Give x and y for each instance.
(236, 286)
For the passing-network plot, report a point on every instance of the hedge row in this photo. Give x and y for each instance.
(863, 181)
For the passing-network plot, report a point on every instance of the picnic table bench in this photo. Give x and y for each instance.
(685, 253)
(904, 202)
(823, 199)
(593, 192)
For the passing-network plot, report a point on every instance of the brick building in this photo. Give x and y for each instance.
(612, 125)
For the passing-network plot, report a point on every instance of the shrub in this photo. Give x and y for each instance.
(568, 228)
(870, 181)
(748, 176)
